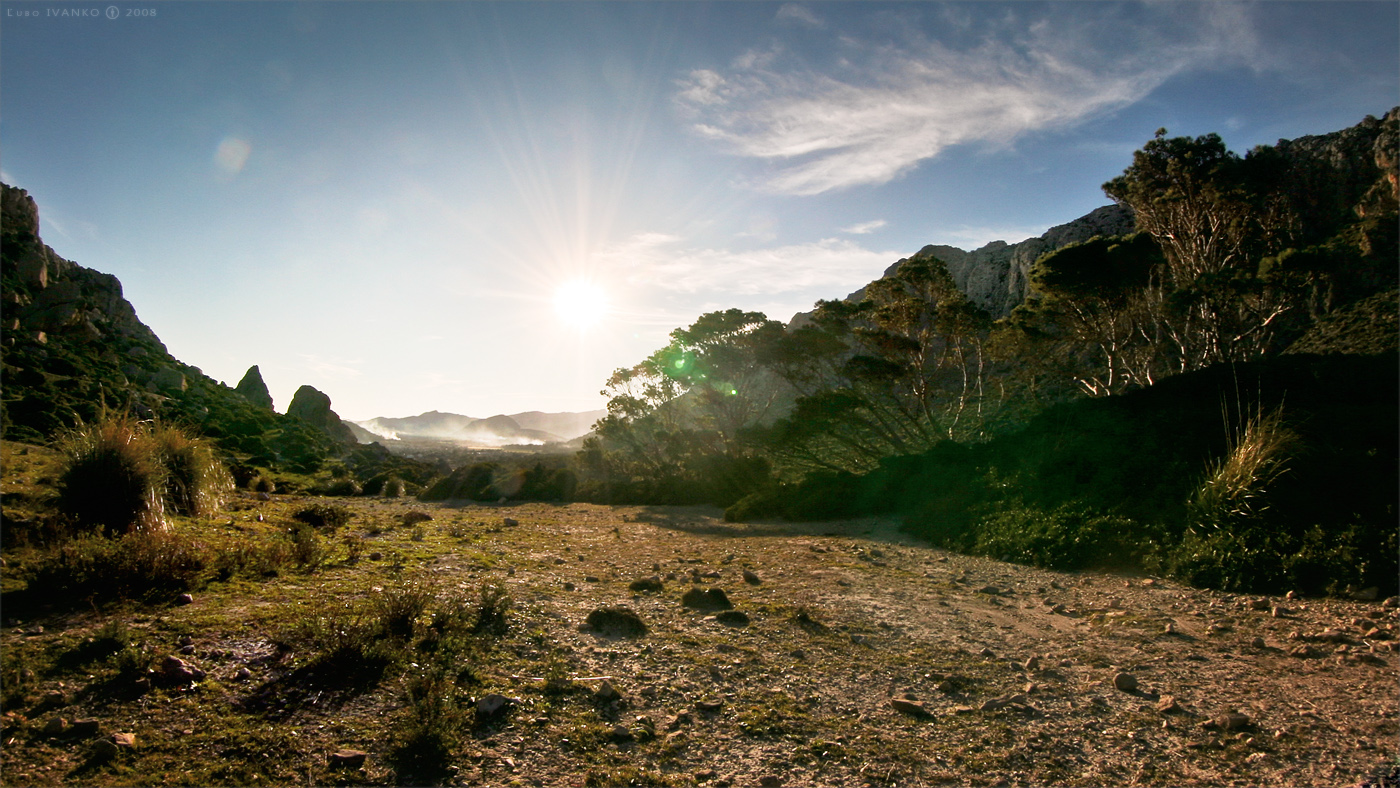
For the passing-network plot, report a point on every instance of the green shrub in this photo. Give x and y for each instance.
(308, 551)
(323, 515)
(1068, 537)
(475, 482)
(148, 565)
(421, 746)
(111, 478)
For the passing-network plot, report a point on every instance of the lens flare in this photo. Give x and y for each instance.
(579, 303)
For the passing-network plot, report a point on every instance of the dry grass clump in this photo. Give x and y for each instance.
(112, 477)
(197, 483)
(120, 475)
(1236, 486)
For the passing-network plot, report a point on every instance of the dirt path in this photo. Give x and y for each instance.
(866, 659)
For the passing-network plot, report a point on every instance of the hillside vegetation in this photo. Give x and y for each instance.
(1210, 396)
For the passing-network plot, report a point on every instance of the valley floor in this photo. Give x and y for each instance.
(866, 660)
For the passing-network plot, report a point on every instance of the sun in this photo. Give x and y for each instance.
(580, 304)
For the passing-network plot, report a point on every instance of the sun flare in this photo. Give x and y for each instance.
(579, 303)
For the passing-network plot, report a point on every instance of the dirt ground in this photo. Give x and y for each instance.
(866, 659)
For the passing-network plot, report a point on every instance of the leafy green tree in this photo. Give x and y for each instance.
(676, 421)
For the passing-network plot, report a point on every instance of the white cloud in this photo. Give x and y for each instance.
(888, 108)
(799, 14)
(330, 369)
(660, 261)
(865, 228)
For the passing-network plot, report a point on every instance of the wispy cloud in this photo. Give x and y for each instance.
(865, 228)
(880, 110)
(330, 369)
(797, 13)
(663, 262)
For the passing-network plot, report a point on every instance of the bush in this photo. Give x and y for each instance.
(1068, 537)
(322, 515)
(142, 565)
(196, 482)
(120, 474)
(112, 478)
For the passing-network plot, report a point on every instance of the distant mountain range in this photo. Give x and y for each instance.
(530, 427)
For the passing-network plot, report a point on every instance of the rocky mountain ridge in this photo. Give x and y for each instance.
(526, 427)
(1338, 176)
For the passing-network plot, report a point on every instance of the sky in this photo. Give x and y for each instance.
(487, 207)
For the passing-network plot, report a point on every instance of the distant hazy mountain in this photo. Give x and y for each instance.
(529, 427)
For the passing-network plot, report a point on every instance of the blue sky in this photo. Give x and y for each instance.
(384, 200)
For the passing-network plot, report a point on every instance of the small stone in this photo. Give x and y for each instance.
(56, 726)
(85, 728)
(187, 650)
(616, 622)
(733, 618)
(510, 522)
(242, 674)
(1169, 629)
(1167, 705)
(710, 599)
(1391, 602)
(708, 706)
(124, 740)
(606, 693)
(770, 781)
(681, 718)
(1291, 595)
(1032, 664)
(909, 706)
(1059, 610)
(1228, 721)
(569, 586)
(491, 705)
(184, 599)
(1125, 682)
(103, 750)
(1259, 604)
(376, 555)
(1258, 643)
(646, 585)
(986, 652)
(620, 733)
(751, 577)
(348, 759)
(53, 699)
(591, 579)
(706, 776)
(992, 590)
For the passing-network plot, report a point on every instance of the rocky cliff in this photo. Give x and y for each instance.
(1335, 178)
(73, 346)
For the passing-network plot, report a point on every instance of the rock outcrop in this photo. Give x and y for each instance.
(314, 408)
(1334, 179)
(46, 294)
(254, 389)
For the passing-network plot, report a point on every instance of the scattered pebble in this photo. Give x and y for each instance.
(1125, 682)
(348, 759)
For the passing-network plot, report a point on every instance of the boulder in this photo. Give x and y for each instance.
(314, 408)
